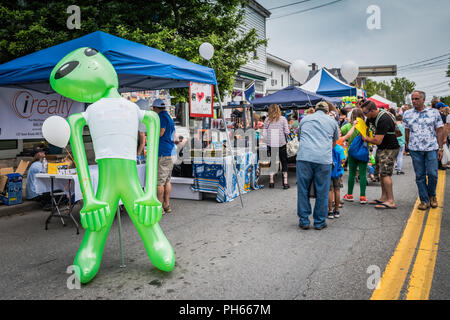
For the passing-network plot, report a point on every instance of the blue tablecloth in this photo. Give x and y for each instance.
(216, 175)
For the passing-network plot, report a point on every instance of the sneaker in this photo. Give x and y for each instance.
(336, 214)
(167, 210)
(423, 206)
(348, 197)
(400, 172)
(331, 215)
(363, 200)
(303, 227)
(433, 202)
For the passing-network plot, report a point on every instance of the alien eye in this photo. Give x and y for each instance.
(65, 69)
(90, 52)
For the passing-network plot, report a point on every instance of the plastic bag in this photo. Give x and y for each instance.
(446, 156)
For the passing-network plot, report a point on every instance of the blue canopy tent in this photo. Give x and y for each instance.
(326, 84)
(138, 67)
(291, 97)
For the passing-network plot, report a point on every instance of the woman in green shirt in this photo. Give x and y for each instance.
(350, 133)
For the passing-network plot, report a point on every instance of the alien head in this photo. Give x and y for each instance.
(84, 75)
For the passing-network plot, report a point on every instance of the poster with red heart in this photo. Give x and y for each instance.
(200, 100)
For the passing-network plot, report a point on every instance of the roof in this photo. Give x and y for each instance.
(324, 83)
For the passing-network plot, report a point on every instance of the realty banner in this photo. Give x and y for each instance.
(201, 99)
(23, 111)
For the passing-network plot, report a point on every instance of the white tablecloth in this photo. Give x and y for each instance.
(61, 182)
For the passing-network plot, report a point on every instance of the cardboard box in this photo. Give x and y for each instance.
(23, 166)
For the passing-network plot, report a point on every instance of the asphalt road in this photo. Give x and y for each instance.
(224, 251)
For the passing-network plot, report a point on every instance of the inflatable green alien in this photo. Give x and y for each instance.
(85, 75)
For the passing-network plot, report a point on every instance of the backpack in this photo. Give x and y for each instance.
(397, 131)
(359, 150)
(335, 172)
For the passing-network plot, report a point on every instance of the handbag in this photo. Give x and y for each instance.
(292, 145)
(359, 150)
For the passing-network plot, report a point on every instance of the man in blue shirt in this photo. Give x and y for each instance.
(166, 154)
(318, 134)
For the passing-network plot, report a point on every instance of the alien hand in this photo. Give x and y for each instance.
(148, 211)
(93, 215)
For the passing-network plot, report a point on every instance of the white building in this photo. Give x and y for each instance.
(256, 69)
(278, 69)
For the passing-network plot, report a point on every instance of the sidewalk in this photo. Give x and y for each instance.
(23, 207)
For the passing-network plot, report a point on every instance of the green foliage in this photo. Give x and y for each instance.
(177, 27)
(445, 100)
(396, 90)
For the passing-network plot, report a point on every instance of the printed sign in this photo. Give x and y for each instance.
(23, 111)
(201, 100)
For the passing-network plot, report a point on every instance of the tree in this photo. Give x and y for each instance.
(396, 90)
(445, 100)
(174, 26)
(400, 88)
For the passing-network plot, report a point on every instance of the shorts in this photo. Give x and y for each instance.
(335, 184)
(165, 167)
(385, 160)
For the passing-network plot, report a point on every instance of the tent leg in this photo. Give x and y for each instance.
(229, 144)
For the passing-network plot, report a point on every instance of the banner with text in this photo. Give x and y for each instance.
(201, 99)
(23, 111)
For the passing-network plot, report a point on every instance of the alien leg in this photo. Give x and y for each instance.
(158, 248)
(89, 256)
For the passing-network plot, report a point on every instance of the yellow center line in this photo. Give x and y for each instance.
(394, 276)
(422, 274)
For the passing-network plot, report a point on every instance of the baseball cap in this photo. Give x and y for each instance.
(143, 104)
(322, 105)
(440, 105)
(38, 149)
(158, 103)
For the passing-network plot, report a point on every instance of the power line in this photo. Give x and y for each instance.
(437, 84)
(288, 5)
(305, 10)
(418, 62)
(446, 60)
(425, 68)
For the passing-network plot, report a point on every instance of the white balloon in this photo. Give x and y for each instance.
(349, 70)
(56, 131)
(299, 71)
(206, 50)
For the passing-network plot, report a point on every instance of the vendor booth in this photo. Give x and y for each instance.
(292, 97)
(139, 68)
(326, 84)
(382, 102)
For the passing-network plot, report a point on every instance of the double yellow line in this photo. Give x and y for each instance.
(394, 276)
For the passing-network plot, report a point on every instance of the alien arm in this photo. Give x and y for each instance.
(152, 123)
(76, 123)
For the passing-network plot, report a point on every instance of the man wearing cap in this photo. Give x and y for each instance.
(35, 167)
(166, 154)
(318, 134)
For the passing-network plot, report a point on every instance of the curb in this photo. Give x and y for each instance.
(18, 208)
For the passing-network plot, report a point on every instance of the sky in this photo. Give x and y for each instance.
(410, 31)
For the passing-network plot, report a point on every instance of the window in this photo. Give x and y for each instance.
(282, 80)
(8, 144)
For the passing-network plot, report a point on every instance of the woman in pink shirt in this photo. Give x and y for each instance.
(275, 130)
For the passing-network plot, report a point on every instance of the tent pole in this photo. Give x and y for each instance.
(229, 142)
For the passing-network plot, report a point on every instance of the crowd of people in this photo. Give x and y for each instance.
(368, 142)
